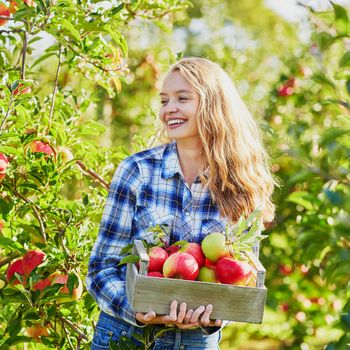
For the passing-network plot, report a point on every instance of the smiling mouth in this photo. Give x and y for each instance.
(174, 123)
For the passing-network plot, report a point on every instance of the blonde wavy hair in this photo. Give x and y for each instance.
(237, 170)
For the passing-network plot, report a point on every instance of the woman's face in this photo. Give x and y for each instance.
(179, 108)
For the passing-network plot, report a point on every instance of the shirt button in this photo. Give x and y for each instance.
(123, 332)
(187, 213)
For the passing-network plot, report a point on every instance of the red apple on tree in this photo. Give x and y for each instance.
(214, 246)
(60, 278)
(36, 331)
(4, 12)
(232, 271)
(4, 163)
(15, 267)
(182, 266)
(38, 146)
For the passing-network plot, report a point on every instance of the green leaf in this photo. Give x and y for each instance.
(115, 10)
(341, 19)
(43, 58)
(10, 244)
(345, 60)
(15, 326)
(302, 198)
(129, 259)
(331, 134)
(10, 150)
(71, 29)
(127, 249)
(322, 79)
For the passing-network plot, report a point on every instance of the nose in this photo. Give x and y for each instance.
(171, 106)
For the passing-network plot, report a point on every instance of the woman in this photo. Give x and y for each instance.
(212, 170)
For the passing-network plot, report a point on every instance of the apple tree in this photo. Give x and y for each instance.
(54, 169)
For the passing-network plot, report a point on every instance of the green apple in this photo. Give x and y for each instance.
(214, 246)
(207, 274)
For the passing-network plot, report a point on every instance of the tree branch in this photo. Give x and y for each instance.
(6, 259)
(92, 174)
(24, 52)
(7, 112)
(35, 209)
(74, 327)
(55, 87)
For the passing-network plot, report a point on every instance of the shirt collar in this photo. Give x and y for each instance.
(170, 162)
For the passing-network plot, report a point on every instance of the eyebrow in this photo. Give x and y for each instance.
(177, 92)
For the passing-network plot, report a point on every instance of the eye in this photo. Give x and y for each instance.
(163, 102)
(182, 98)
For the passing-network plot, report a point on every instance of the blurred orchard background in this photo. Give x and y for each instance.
(82, 78)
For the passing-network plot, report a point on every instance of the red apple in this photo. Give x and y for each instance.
(15, 266)
(59, 278)
(157, 257)
(40, 146)
(214, 246)
(231, 271)
(5, 12)
(155, 274)
(4, 163)
(31, 260)
(196, 251)
(37, 331)
(285, 269)
(209, 263)
(207, 274)
(21, 89)
(13, 6)
(42, 284)
(172, 249)
(182, 266)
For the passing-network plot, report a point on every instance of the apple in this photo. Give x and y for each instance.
(207, 274)
(2, 224)
(21, 89)
(60, 278)
(232, 271)
(13, 6)
(42, 284)
(41, 147)
(214, 246)
(172, 249)
(155, 274)
(65, 153)
(182, 266)
(5, 12)
(31, 260)
(4, 163)
(36, 331)
(30, 3)
(25, 265)
(157, 257)
(15, 267)
(209, 263)
(285, 270)
(196, 251)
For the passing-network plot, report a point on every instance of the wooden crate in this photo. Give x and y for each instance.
(230, 302)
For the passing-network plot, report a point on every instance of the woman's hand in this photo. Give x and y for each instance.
(184, 319)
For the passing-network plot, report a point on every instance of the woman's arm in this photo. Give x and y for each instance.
(105, 280)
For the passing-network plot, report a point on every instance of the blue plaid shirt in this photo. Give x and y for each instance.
(148, 188)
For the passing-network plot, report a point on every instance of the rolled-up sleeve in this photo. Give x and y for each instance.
(105, 280)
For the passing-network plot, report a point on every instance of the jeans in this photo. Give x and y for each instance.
(110, 329)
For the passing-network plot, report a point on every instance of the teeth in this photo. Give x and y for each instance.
(175, 121)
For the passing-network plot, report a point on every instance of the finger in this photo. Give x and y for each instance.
(172, 317)
(188, 316)
(196, 314)
(182, 312)
(149, 316)
(187, 326)
(205, 320)
(218, 323)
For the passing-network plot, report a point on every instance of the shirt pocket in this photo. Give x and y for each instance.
(148, 216)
